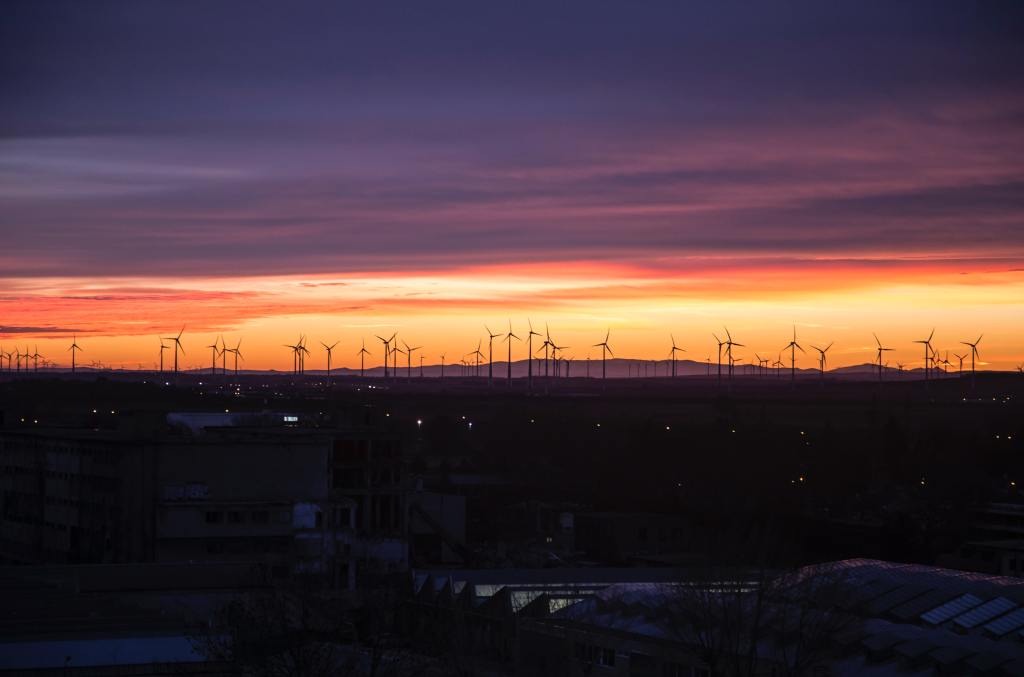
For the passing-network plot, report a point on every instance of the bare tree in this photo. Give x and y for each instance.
(303, 631)
(281, 633)
(740, 621)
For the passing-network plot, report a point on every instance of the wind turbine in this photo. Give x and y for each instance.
(881, 350)
(35, 359)
(556, 369)
(237, 352)
(223, 356)
(974, 353)
(793, 346)
(720, 344)
(215, 350)
(74, 348)
(479, 356)
(387, 350)
(408, 354)
(927, 343)
(295, 357)
(490, 355)
(442, 365)
(177, 347)
(508, 339)
(605, 351)
(729, 344)
(328, 348)
(672, 353)
(363, 352)
(163, 347)
(303, 351)
(529, 353)
(821, 359)
(546, 345)
(394, 354)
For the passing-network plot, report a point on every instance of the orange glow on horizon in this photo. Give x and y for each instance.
(118, 320)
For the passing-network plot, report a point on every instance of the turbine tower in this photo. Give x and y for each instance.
(720, 344)
(479, 356)
(490, 355)
(605, 351)
(881, 349)
(672, 353)
(74, 348)
(363, 352)
(974, 354)
(793, 347)
(215, 350)
(927, 343)
(177, 346)
(329, 349)
(529, 353)
(409, 350)
(729, 344)
(508, 339)
(821, 359)
(237, 352)
(387, 351)
(295, 357)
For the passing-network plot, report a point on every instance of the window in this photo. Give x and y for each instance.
(235, 517)
(214, 516)
(260, 517)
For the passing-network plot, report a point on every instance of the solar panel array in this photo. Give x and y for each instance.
(951, 609)
(1006, 624)
(984, 613)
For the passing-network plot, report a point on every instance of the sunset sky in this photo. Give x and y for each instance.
(268, 169)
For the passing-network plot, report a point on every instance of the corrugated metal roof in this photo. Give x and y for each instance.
(984, 613)
(951, 609)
